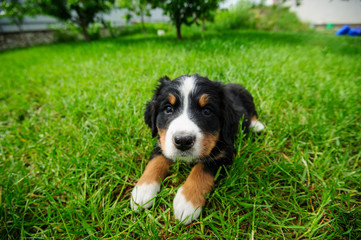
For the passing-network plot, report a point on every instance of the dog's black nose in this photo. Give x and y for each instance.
(184, 142)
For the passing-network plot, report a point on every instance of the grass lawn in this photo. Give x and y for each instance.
(73, 141)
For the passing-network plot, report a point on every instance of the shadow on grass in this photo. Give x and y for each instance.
(329, 44)
(210, 40)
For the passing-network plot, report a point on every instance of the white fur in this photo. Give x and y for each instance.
(256, 126)
(183, 125)
(184, 210)
(143, 196)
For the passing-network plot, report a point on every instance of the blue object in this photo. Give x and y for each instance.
(343, 30)
(355, 31)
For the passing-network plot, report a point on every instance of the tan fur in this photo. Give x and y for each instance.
(203, 100)
(254, 118)
(171, 99)
(197, 185)
(208, 143)
(162, 133)
(155, 171)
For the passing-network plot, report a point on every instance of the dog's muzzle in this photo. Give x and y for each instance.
(184, 142)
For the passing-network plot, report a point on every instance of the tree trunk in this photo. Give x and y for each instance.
(179, 33)
(142, 20)
(82, 23)
(275, 28)
(203, 24)
(85, 32)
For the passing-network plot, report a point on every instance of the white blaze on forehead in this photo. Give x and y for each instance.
(186, 89)
(183, 125)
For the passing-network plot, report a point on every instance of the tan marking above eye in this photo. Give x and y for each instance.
(171, 99)
(203, 100)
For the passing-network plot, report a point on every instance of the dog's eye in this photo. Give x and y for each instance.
(206, 111)
(169, 110)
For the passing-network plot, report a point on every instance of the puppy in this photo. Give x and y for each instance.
(195, 120)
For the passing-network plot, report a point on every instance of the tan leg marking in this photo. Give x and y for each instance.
(172, 99)
(156, 170)
(197, 185)
(254, 118)
(209, 141)
(203, 100)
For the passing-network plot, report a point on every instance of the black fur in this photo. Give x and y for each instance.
(151, 109)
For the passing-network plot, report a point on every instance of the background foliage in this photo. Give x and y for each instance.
(85, 15)
(244, 15)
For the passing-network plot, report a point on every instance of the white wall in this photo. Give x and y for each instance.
(328, 11)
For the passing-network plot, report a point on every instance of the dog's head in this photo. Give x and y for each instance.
(190, 114)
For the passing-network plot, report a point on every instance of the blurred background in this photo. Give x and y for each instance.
(33, 22)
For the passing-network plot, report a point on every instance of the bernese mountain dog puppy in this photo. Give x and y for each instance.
(195, 120)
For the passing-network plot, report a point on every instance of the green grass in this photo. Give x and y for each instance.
(73, 141)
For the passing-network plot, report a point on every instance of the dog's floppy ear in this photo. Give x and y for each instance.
(230, 122)
(150, 116)
(151, 110)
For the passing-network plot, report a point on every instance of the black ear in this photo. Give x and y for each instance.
(150, 116)
(152, 108)
(230, 122)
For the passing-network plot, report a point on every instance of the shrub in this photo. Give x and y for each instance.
(275, 18)
(67, 33)
(236, 17)
(94, 31)
(270, 18)
(150, 28)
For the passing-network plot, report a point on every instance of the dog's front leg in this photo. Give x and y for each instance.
(191, 197)
(149, 183)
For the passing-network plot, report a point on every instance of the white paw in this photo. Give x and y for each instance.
(256, 126)
(184, 209)
(143, 196)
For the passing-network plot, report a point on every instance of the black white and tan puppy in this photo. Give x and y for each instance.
(195, 120)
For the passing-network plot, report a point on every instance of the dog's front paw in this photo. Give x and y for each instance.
(185, 211)
(143, 196)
